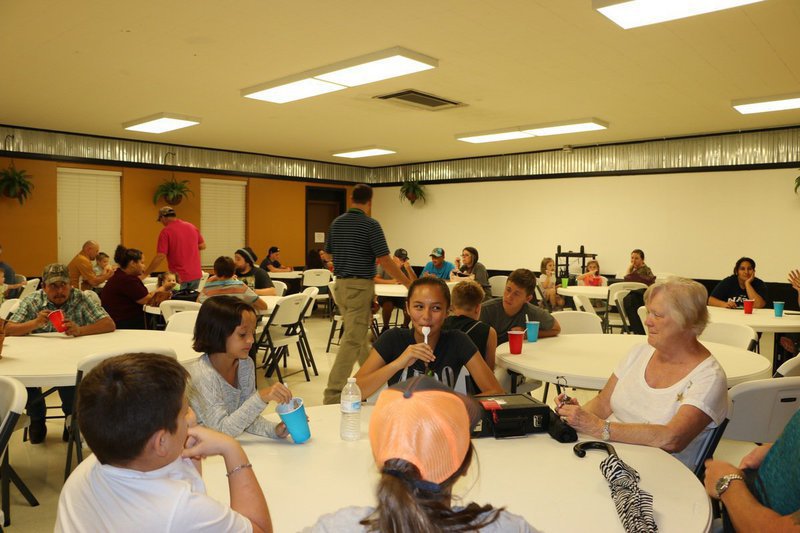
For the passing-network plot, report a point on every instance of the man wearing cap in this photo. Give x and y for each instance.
(179, 243)
(355, 242)
(271, 263)
(81, 267)
(389, 303)
(82, 316)
(437, 266)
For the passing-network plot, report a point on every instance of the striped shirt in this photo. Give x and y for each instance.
(79, 308)
(355, 240)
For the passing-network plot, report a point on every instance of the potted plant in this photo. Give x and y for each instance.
(15, 183)
(796, 184)
(412, 191)
(172, 191)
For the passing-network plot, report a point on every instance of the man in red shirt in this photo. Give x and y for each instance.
(179, 243)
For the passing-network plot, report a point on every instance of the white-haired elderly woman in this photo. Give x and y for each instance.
(671, 392)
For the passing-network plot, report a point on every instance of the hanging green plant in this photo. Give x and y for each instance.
(15, 183)
(172, 191)
(412, 191)
(796, 184)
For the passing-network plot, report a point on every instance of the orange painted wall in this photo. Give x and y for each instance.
(277, 217)
(28, 233)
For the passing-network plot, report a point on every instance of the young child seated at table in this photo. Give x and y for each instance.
(426, 348)
(592, 275)
(4, 288)
(464, 314)
(144, 473)
(420, 437)
(101, 265)
(168, 280)
(223, 388)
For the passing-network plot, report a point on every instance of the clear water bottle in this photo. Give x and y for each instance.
(350, 428)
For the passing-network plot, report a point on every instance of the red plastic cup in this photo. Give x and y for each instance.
(748, 307)
(515, 341)
(57, 319)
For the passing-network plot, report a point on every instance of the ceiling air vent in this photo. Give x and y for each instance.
(420, 100)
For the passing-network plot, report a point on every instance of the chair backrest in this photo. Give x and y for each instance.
(575, 322)
(622, 286)
(537, 289)
(760, 409)
(91, 295)
(9, 307)
(30, 287)
(88, 362)
(13, 397)
(182, 322)
(583, 304)
(738, 335)
(150, 285)
(618, 301)
(498, 284)
(170, 307)
(316, 277)
(708, 448)
(312, 293)
(280, 287)
(789, 368)
(289, 310)
(203, 280)
(642, 312)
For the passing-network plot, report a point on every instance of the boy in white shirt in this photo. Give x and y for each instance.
(145, 471)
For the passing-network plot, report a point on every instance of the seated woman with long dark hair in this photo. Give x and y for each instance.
(420, 437)
(124, 293)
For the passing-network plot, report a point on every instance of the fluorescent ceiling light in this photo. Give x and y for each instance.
(369, 68)
(289, 92)
(364, 152)
(635, 13)
(560, 128)
(765, 105)
(161, 123)
(478, 138)
(526, 132)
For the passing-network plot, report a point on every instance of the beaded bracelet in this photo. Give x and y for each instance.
(240, 467)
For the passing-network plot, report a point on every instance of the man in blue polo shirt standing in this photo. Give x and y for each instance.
(437, 266)
(356, 241)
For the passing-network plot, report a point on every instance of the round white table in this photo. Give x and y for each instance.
(587, 361)
(762, 321)
(295, 274)
(51, 359)
(535, 477)
(595, 293)
(398, 290)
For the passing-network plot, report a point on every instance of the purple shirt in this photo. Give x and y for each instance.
(120, 294)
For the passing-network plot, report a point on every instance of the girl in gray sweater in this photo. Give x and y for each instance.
(223, 388)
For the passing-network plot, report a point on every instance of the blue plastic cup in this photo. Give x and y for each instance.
(293, 414)
(532, 329)
(778, 307)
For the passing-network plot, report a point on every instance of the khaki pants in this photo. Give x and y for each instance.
(354, 298)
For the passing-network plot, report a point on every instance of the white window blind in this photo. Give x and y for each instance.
(223, 212)
(88, 209)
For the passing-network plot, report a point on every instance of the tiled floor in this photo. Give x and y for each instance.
(42, 466)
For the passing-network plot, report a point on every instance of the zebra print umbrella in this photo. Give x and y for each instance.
(634, 505)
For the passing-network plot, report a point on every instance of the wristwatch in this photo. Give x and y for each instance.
(606, 435)
(724, 483)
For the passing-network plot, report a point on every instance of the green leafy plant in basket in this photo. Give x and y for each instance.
(412, 191)
(15, 183)
(172, 191)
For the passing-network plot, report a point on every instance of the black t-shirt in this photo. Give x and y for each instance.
(729, 289)
(477, 331)
(257, 278)
(452, 352)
